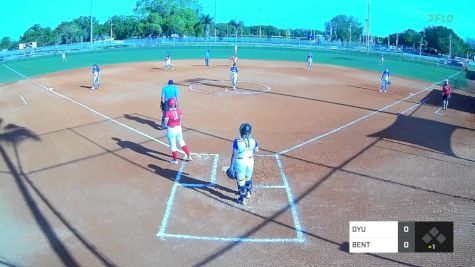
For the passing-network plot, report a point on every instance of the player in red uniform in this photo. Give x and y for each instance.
(446, 91)
(174, 132)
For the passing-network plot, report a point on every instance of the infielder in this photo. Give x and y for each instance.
(173, 118)
(207, 58)
(96, 77)
(381, 60)
(385, 81)
(168, 62)
(309, 61)
(168, 91)
(446, 92)
(242, 161)
(234, 75)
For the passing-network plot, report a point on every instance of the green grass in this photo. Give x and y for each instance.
(397, 65)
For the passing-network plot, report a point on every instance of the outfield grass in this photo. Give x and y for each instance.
(358, 60)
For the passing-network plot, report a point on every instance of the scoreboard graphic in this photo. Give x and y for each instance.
(395, 237)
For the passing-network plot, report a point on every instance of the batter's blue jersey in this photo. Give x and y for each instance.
(234, 69)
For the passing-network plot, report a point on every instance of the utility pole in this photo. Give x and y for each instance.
(350, 33)
(215, 21)
(111, 28)
(420, 46)
(91, 25)
(450, 46)
(367, 30)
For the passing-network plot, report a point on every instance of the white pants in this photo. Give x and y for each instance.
(175, 134)
(234, 77)
(309, 64)
(244, 169)
(168, 63)
(96, 80)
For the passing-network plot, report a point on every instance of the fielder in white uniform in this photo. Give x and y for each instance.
(242, 161)
(385, 81)
(168, 62)
(234, 75)
(309, 61)
(96, 77)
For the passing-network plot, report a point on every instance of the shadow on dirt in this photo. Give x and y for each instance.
(433, 135)
(457, 101)
(14, 135)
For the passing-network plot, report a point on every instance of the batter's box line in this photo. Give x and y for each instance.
(293, 209)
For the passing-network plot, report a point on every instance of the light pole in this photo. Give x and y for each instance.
(367, 30)
(450, 46)
(215, 21)
(91, 26)
(260, 32)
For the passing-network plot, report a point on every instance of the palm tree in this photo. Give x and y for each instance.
(234, 25)
(207, 20)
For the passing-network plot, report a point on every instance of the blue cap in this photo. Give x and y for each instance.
(170, 81)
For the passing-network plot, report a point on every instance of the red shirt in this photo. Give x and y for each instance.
(446, 89)
(174, 117)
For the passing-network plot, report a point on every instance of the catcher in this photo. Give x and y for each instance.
(242, 162)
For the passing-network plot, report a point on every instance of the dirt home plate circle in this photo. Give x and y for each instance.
(221, 87)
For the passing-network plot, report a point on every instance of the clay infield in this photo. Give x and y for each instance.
(81, 188)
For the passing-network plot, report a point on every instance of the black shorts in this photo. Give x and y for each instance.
(445, 97)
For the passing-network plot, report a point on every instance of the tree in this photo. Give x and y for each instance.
(36, 33)
(438, 39)
(206, 20)
(69, 32)
(152, 25)
(6, 43)
(409, 38)
(338, 28)
(178, 16)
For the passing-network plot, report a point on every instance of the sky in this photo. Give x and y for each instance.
(386, 16)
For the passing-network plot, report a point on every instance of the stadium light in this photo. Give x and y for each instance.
(91, 26)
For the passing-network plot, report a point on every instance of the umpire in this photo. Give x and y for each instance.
(168, 91)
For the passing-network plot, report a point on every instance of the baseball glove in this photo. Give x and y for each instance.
(162, 106)
(231, 173)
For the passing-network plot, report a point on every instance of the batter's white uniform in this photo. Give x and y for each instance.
(244, 149)
(174, 130)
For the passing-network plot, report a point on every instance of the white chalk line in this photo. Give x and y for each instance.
(438, 112)
(361, 118)
(170, 201)
(92, 110)
(23, 100)
(416, 105)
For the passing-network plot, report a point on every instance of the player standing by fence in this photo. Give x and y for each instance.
(446, 92)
